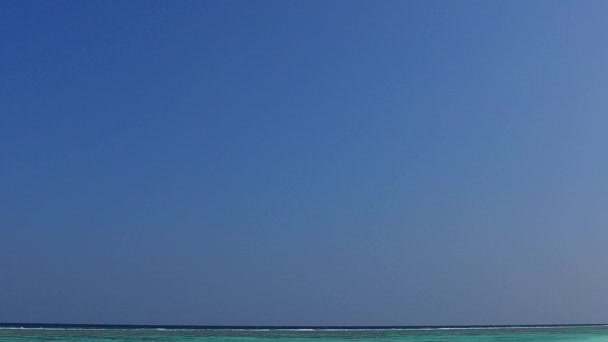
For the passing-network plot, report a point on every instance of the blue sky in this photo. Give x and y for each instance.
(303, 162)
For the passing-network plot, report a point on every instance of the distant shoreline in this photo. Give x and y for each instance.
(67, 326)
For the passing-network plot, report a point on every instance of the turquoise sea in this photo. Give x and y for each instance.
(594, 333)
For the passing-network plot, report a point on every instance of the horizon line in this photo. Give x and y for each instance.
(253, 327)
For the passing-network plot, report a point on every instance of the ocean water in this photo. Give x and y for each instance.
(14, 333)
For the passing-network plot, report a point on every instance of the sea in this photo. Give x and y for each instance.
(106, 333)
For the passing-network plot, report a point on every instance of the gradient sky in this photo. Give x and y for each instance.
(304, 162)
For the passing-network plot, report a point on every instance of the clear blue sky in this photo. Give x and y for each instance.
(303, 162)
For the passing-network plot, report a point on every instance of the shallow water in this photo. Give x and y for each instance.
(469, 334)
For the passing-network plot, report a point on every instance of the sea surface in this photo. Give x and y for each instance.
(587, 333)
